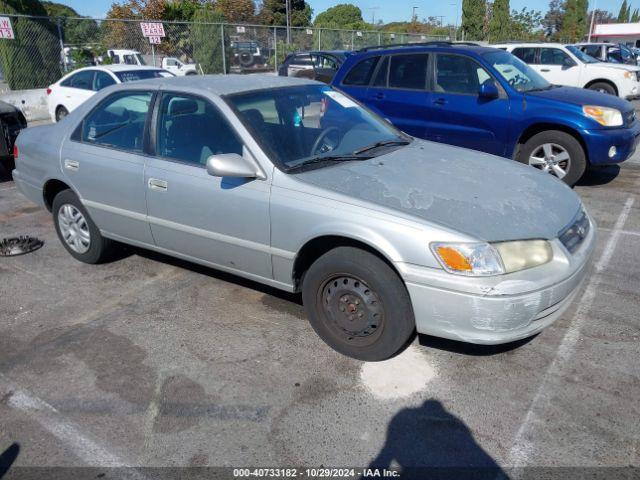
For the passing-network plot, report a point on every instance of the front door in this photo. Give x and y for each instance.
(558, 67)
(104, 160)
(458, 114)
(223, 221)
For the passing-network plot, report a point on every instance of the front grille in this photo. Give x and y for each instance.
(573, 236)
(638, 75)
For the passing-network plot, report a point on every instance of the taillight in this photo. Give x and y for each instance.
(48, 91)
(15, 151)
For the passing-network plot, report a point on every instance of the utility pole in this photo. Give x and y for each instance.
(373, 14)
(414, 17)
(457, 5)
(593, 14)
(288, 14)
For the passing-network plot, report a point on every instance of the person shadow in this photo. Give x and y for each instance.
(429, 442)
(8, 457)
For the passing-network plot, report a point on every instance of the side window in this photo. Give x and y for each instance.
(82, 80)
(103, 80)
(360, 74)
(322, 61)
(527, 55)
(408, 71)
(302, 61)
(380, 80)
(191, 129)
(172, 62)
(459, 74)
(554, 56)
(118, 122)
(593, 50)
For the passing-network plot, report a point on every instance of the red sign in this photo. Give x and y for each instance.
(6, 30)
(152, 29)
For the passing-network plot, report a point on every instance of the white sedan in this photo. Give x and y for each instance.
(74, 88)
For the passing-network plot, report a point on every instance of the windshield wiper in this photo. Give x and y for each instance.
(383, 143)
(330, 159)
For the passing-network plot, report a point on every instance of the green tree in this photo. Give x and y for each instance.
(574, 25)
(526, 25)
(273, 12)
(552, 21)
(206, 40)
(473, 17)
(499, 25)
(623, 15)
(344, 15)
(635, 17)
(180, 10)
(75, 31)
(237, 11)
(32, 58)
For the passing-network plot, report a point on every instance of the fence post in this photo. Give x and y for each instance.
(352, 39)
(61, 41)
(275, 49)
(319, 35)
(224, 55)
(379, 39)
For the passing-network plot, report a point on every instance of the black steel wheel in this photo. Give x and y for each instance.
(358, 304)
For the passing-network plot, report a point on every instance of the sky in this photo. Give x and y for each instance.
(387, 10)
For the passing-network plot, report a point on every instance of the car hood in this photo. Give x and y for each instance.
(486, 197)
(619, 66)
(582, 96)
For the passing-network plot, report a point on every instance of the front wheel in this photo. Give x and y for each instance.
(603, 87)
(556, 153)
(61, 112)
(358, 305)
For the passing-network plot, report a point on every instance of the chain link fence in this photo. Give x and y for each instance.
(45, 48)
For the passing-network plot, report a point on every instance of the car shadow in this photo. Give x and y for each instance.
(599, 176)
(5, 173)
(470, 349)
(429, 442)
(8, 457)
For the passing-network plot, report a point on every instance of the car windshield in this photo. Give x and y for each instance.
(518, 74)
(313, 124)
(134, 75)
(583, 57)
(140, 59)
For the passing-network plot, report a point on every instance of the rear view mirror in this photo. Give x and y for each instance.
(232, 165)
(489, 89)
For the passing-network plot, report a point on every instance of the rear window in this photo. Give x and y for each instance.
(134, 75)
(361, 73)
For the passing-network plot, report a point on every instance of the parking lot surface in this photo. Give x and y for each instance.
(151, 361)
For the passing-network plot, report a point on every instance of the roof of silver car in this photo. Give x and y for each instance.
(228, 84)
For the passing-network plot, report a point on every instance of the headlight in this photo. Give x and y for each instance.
(628, 74)
(609, 117)
(484, 259)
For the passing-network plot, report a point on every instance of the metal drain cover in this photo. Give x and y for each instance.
(19, 245)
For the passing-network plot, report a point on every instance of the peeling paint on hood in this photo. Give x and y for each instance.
(487, 197)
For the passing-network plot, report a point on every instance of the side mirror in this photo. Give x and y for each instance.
(489, 89)
(232, 165)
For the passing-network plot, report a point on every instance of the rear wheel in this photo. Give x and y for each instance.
(61, 112)
(358, 305)
(556, 153)
(603, 87)
(77, 232)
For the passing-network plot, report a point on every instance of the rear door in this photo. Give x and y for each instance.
(104, 160)
(458, 114)
(399, 93)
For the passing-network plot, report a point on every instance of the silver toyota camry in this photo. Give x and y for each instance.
(293, 184)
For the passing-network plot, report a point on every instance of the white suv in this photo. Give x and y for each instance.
(567, 65)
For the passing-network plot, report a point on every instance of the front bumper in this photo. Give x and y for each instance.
(501, 309)
(599, 142)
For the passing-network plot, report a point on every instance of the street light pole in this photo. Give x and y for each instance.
(286, 2)
(593, 14)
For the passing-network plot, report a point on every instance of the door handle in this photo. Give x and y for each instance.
(158, 185)
(379, 96)
(72, 165)
(440, 101)
(545, 70)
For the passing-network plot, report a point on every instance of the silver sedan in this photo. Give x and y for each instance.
(293, 184)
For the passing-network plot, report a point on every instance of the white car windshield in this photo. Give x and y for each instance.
(313, 124)
(583, 57)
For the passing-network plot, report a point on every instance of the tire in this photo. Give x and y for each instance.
(61, 112)
(603, 87)
(191, 72)
(367, 288)
(97, 248)
(535, 152)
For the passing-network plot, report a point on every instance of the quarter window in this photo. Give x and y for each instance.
(118, 122)
(408, 71)
(191, 130)
(361, 73)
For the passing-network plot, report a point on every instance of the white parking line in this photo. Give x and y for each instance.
(522, 446)
(622, 232)
(82, 445)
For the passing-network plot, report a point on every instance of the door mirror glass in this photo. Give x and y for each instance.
(489, 89)
(231, 165)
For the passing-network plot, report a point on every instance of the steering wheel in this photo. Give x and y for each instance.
(319, 141)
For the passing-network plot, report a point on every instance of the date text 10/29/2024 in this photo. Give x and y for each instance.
(315, 473)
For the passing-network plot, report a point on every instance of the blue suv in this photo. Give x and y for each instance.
(487, 99)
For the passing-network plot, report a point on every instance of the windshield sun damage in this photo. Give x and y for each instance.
(313, 125)
(518, 74)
